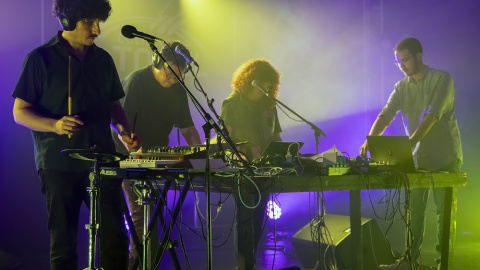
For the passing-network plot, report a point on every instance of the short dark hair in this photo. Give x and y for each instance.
(411, 44)
(77, 10)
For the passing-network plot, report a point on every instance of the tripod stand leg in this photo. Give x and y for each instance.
(145, 196)
(173, 254)
(146, 254)
(92, 227)
(133, 234)
(166, 238)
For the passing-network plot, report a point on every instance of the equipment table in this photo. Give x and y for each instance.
(315, 183)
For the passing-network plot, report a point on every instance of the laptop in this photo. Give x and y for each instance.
(280, 153)
(395, 151)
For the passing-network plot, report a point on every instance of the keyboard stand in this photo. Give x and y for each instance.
(147, 197)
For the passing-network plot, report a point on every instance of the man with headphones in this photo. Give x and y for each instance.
(68, 94)
(158, 103)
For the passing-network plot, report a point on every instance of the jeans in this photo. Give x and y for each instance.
(418, 205)
(65, 192)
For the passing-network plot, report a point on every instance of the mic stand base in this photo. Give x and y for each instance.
(206, 129)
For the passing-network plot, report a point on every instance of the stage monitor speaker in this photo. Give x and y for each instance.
(376, 249)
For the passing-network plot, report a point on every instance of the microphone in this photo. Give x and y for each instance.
(129, 31)
(256, 84)
(180, 49)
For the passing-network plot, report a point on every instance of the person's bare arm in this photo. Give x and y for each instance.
(119, 123)
(423, 129)
(378, 128)
(191, 135)
(26, 115)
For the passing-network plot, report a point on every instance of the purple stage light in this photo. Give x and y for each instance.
(273, 210)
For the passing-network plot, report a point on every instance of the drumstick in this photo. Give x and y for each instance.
(133, 126)
(69, 90)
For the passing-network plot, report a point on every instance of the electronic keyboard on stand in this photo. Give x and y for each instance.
(160, 156)
(159, 168)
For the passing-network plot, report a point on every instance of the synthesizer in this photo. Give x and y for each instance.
(160, 156)
(133, 162)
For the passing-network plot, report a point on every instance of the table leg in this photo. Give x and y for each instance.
(449, 226)
(356, 229)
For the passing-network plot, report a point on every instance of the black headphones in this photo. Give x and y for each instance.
(66, 23)
(157, 61)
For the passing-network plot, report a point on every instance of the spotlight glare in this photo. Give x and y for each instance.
(273, 210)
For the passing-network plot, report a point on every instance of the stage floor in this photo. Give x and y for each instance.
(283, 255)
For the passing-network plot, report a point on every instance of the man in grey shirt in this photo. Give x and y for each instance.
(426, 99)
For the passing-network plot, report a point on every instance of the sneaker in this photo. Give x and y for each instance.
(398, 265)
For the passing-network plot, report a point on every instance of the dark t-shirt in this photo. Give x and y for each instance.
(95, 84)
(158, 109)
(254, 122)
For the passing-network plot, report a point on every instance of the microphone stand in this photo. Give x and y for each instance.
(318, 132)
(209, 124)
(212, 109)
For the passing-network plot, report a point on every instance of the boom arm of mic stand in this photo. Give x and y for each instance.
(210, 105)
(318, 131)
(314, 127)
(209, 101)
(222, 130)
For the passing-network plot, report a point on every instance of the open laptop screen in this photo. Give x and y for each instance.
(393, 151)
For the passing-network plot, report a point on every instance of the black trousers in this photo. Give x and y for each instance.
(65, 192)
(248, 229)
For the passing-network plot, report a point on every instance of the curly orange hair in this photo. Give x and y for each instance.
(260, 70)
